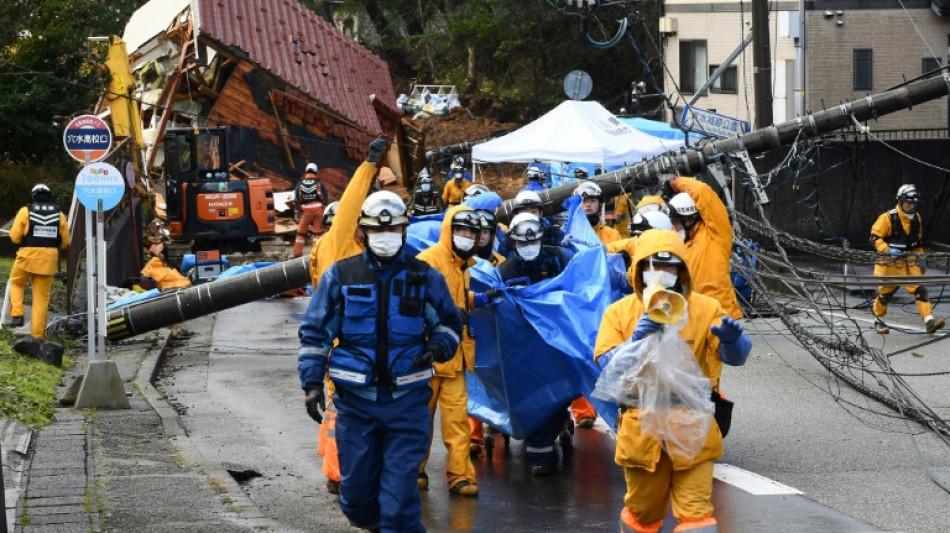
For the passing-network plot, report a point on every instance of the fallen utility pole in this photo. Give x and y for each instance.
(689, 161)
(148, 315)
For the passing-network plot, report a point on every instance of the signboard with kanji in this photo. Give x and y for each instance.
(99, 181)
(87, 138)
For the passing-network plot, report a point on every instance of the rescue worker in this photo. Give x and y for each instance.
(425, 201)
(40, 229)
(530, 202)
(453, 255)
(531, 263)
(898, 233)
(474, 190)
(640, 223)
(580, 173)
(535, 180)
(652, 203)
(623, 211)
(310, 197)
(592, 202)
(393, 317)
(486, 240)
(655, 478)
(701, 219)
(454, 189)
(343, 239)
(458, 163)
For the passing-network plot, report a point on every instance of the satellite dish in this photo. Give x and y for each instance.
(577, 85)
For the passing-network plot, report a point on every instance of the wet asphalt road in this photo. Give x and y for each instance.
(235, 382)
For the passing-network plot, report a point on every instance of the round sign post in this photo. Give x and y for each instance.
(87, 138)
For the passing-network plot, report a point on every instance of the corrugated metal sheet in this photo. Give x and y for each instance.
(304, 50)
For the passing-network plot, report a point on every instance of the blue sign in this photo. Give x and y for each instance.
(712, 124)
(100, 181)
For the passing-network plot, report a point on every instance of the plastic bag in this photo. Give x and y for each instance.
(660, 376)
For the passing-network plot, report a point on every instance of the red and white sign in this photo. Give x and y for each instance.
(87, 138)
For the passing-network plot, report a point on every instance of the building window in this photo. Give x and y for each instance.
(929, 65)
(728, 82)
(863, 69)
(692, 65)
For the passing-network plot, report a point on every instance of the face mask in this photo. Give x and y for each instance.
(386, 244)
(426, 187)
(464, 244)
(529, 252)
(659, 277)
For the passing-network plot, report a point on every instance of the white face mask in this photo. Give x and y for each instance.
(529, 252)
(659, 277)
(464, 244)
(386, 244)
(426, 187)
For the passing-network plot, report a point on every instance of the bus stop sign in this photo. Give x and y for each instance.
(87, 135)
(99, 181)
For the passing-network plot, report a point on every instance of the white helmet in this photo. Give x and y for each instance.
(682, 206)
(589, 189)
(534, 174)
(329, 214)
(908, 192)
(312, 167)
(526, 227)
(528, 199)
(474, 191)
(383, 208)
(649, 220)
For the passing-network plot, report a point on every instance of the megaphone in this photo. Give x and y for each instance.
(664, 306)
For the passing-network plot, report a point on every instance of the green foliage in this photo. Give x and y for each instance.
(27, 385)
(17, 180)
(512, 54)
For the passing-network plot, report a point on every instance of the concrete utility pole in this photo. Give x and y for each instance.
(762, 64)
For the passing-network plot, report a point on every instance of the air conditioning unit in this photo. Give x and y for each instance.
(668, 25)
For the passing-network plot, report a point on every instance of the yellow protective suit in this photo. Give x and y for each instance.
(454, 191)
(654, 479)
(338, 242)
(36, 265)
(709, 247)
(448, 384)
(881, 231)
(606, 234)
(624, 210)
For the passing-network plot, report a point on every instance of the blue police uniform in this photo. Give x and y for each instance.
(382, 396)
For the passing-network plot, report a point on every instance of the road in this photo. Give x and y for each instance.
(797, 460)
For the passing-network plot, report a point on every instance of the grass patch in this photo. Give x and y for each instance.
(27, 385)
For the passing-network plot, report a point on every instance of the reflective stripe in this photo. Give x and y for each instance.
(545, 449)
(354, 377)
(412, 378)
(448, 330)
(307, 350)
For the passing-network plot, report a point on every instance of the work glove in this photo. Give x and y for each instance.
(894, 251)
(430, 354)
(464, 314)
(484, 298)
(668, 190)
(645, 326)
(375, 151)
(729, 331)
(316, 404)
(492, 294)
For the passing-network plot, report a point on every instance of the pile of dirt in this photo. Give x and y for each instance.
(462, 126)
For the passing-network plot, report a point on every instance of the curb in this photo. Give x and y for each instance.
(175, 430)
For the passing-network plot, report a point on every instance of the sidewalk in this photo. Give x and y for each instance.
(126, 470)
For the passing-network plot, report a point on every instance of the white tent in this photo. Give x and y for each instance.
(577, 132)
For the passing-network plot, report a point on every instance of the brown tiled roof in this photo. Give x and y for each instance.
(304, 50)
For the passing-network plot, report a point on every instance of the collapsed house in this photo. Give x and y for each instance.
(290, 87)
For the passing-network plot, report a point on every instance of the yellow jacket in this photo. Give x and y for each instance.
(443, 258)
(618, 325)
(453, 192)
(709, 248)
(623, 209)
(882, 230)
(41, 261)
(606, 234)
(339, 242)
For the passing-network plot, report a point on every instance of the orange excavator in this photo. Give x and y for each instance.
(204, 206)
